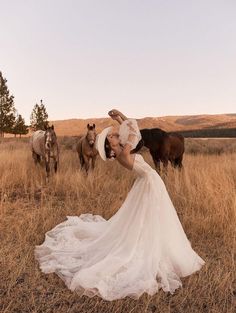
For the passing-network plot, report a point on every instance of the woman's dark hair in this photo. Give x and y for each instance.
(110, 154)
(108, 149)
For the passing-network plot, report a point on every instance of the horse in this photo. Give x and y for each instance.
(44, 147)
(86, 148)
(163, 147)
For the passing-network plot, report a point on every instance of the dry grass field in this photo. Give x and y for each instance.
(203, 195)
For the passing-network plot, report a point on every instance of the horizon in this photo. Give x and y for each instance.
(104, 117)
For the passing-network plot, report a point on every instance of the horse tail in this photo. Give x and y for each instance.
(80, 152)
(79, 147)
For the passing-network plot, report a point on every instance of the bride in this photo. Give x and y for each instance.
(141, 248)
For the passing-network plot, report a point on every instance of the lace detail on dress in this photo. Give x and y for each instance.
(129, 133)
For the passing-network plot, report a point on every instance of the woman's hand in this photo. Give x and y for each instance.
(113, 113)
(117, 115)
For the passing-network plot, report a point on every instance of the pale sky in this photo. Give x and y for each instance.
(145, 58)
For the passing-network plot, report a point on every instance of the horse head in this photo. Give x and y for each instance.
(91, 134)
(50, 137)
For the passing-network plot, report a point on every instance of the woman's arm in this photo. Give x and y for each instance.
(117, 115)
(125, 157)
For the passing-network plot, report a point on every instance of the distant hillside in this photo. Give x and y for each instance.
(75, 127)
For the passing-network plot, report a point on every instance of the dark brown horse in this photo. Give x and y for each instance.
(163, 147)
(86, 148)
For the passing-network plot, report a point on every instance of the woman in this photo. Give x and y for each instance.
(141, 248)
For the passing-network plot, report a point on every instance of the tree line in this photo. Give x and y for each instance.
(11, 121)
(209, 133)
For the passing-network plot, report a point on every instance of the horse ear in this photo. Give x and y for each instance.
(88, 126)
(94, 126)
(52, 127)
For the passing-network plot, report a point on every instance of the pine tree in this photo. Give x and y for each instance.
(20, 128)
(7, 110)
(39, 117)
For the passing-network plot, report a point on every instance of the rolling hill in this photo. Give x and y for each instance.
(76, 127)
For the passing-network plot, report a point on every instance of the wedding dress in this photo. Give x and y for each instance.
(141, 248)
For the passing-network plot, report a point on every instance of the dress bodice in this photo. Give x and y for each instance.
(141, 167)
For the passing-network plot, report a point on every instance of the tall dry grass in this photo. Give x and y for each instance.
(203, 195)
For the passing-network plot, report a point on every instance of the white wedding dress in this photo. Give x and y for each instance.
(141, 248)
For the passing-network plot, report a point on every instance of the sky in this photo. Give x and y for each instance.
(145, 58)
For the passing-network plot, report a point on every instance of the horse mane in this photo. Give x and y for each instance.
(138, 147)
(153, 133)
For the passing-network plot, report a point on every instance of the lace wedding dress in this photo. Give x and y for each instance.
(141, 248)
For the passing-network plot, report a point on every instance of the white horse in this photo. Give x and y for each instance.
(44, 146)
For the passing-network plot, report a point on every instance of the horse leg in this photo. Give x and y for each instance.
(55, 165)
(165, 165)
(178, 162)
(47, 163)
(36, 157)
(93, 162)
(158, 165)
(82, 162)
(156, 161)
(86, 161)
(166, 154)
(56, 158)
(172, 162)
(47, 169)
(80, 154)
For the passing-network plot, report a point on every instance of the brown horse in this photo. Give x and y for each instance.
(163, 147)
(44, 146)
(86, 148)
